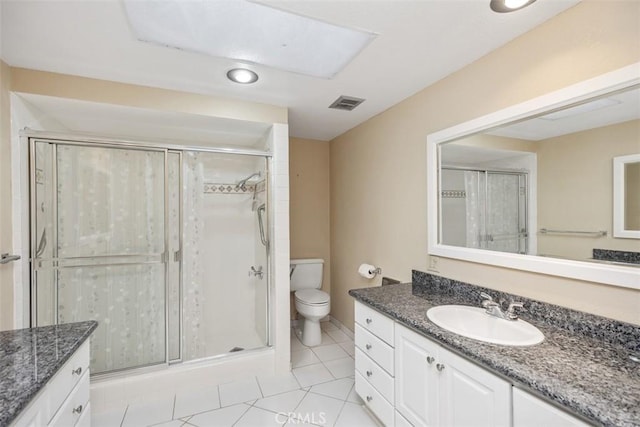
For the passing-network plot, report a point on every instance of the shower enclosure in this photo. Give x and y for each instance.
(166, 248)
(484, 209)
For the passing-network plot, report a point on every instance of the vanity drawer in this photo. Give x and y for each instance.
(85, 417)
(374, 400)
(374, 322)
(68, 376)
(377, 377)
(75, 407)
(379, 351)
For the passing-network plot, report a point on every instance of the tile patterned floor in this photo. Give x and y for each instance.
(318, 392)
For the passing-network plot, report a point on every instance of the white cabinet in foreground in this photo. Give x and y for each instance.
(374, 362)
(435, 387)
(64, 400)
(530, 411)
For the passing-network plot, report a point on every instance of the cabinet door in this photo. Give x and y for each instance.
(416, 377)
(33, 416)
(470, 395)
(529, 411)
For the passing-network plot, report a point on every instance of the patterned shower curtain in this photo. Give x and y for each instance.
(193, 340)
(475, 206)
(111, 202)
(492, 211)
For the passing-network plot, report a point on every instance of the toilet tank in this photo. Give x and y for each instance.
(306, 273)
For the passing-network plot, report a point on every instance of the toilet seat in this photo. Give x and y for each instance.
(312, 297)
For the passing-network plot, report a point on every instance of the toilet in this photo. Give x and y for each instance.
(311, 303)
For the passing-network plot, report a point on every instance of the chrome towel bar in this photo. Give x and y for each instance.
(599, 233)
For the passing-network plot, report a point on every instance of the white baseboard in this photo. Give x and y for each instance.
(348, 332)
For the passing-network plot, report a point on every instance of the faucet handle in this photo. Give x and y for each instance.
(511, 311)
(487, 299)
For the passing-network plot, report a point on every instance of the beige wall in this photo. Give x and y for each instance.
(86, 89)
(6, 271)
(378, 176)
(309, 203)
(575, 188)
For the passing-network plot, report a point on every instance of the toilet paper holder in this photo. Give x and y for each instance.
(376, 271)
(369, 271)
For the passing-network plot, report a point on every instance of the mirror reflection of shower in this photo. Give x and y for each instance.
(483, 203)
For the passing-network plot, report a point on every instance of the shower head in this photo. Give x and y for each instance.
(242, 184)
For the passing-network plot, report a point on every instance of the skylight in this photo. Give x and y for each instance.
(248, 32)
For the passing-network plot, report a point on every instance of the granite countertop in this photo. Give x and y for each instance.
(29, 358)
(585, 369)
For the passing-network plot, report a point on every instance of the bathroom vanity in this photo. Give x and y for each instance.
(411, 372)
(44, 376)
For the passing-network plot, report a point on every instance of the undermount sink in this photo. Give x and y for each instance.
(474, 322)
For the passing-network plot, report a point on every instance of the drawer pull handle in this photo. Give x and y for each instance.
(369, 398)
(78, 409)
(368, 320)
(369, 373)
(77, 371)
(430, 359)
(439, 366)
(368, 346)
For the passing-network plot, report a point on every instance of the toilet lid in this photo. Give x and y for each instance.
(312, 296)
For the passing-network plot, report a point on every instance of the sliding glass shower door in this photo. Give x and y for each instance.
(167, 249)
(99, 247)
(225, 254)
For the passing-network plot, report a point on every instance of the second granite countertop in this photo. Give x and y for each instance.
(29, 358)
(588, 376)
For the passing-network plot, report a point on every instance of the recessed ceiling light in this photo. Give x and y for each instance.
(242, 75)
(503, 6)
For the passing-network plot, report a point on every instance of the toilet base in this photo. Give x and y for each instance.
(311, 333)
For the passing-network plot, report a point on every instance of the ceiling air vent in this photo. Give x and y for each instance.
(346, 103)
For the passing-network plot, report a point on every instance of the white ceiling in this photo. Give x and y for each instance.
(419, 42)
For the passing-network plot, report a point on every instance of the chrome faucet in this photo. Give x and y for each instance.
(494, 308)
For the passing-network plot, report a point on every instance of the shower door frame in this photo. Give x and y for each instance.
(168, 148)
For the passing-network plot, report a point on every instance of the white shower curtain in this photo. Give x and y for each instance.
(503, 217)
(194, 342)
(474, 186)
(496, 196)
(111, 202)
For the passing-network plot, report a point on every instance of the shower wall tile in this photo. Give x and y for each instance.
(280, 242)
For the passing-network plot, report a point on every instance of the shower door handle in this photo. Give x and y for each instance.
(263, 238)
(42, 244)
(6, 258)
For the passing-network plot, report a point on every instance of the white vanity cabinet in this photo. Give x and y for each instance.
(374, 340)
(435, 387)
(64, 400)
(530, 411)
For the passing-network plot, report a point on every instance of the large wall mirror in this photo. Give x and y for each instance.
(551, 185)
